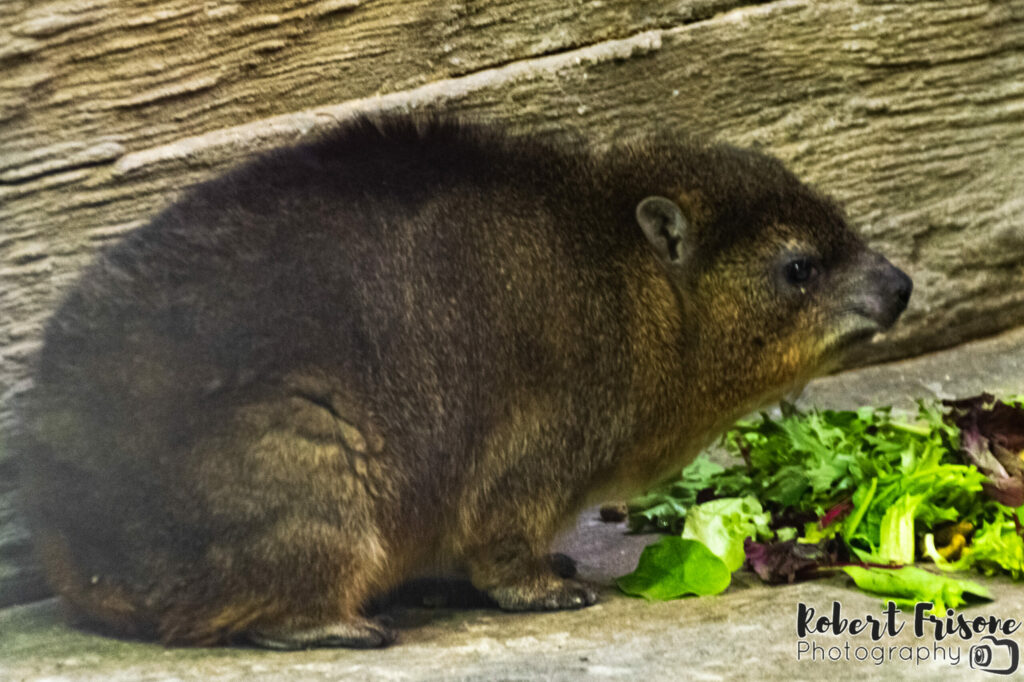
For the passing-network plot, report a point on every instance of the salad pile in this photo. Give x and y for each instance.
(868, 492)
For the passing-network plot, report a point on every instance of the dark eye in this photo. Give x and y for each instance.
(800, 271)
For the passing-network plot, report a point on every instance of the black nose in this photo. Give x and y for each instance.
(904, 286)
(896, 289)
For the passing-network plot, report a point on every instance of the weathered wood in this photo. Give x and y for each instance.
(86, 80)
(909, 112)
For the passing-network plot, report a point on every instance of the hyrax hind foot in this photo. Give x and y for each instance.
(548, 594)
(354, 634)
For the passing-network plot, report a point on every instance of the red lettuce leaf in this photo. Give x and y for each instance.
(992, 439)
(790, 561)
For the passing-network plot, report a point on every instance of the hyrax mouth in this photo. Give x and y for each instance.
(875, 298)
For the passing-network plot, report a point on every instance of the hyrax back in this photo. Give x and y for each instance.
(410, 346)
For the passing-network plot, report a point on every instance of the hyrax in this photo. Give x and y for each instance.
(410, 346)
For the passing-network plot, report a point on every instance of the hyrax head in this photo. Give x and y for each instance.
(777, 284)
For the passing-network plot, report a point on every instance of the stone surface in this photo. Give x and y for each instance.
(993, 365)
(749, 632)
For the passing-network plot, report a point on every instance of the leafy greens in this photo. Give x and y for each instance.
(862, 489)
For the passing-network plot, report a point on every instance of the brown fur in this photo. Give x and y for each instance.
(413, 346)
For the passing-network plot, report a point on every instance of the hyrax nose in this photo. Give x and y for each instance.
(897, 287)
(903, 286)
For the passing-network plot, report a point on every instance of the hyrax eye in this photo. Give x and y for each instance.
(800, 271)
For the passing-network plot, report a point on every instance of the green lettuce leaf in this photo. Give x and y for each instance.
(996, 547)
(673, 567)
(723, 524)
(896, 534)
(665, 507)
(909, 585)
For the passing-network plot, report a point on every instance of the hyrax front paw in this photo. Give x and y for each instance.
(553, 594)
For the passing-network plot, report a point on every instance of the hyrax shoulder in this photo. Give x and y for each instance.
(408, 345)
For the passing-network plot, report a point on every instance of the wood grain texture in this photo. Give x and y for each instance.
(84, 76)
(911, 113)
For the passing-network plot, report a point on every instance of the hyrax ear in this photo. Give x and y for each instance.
(666, 228)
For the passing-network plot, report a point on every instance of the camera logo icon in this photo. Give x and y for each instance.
(999, 656)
